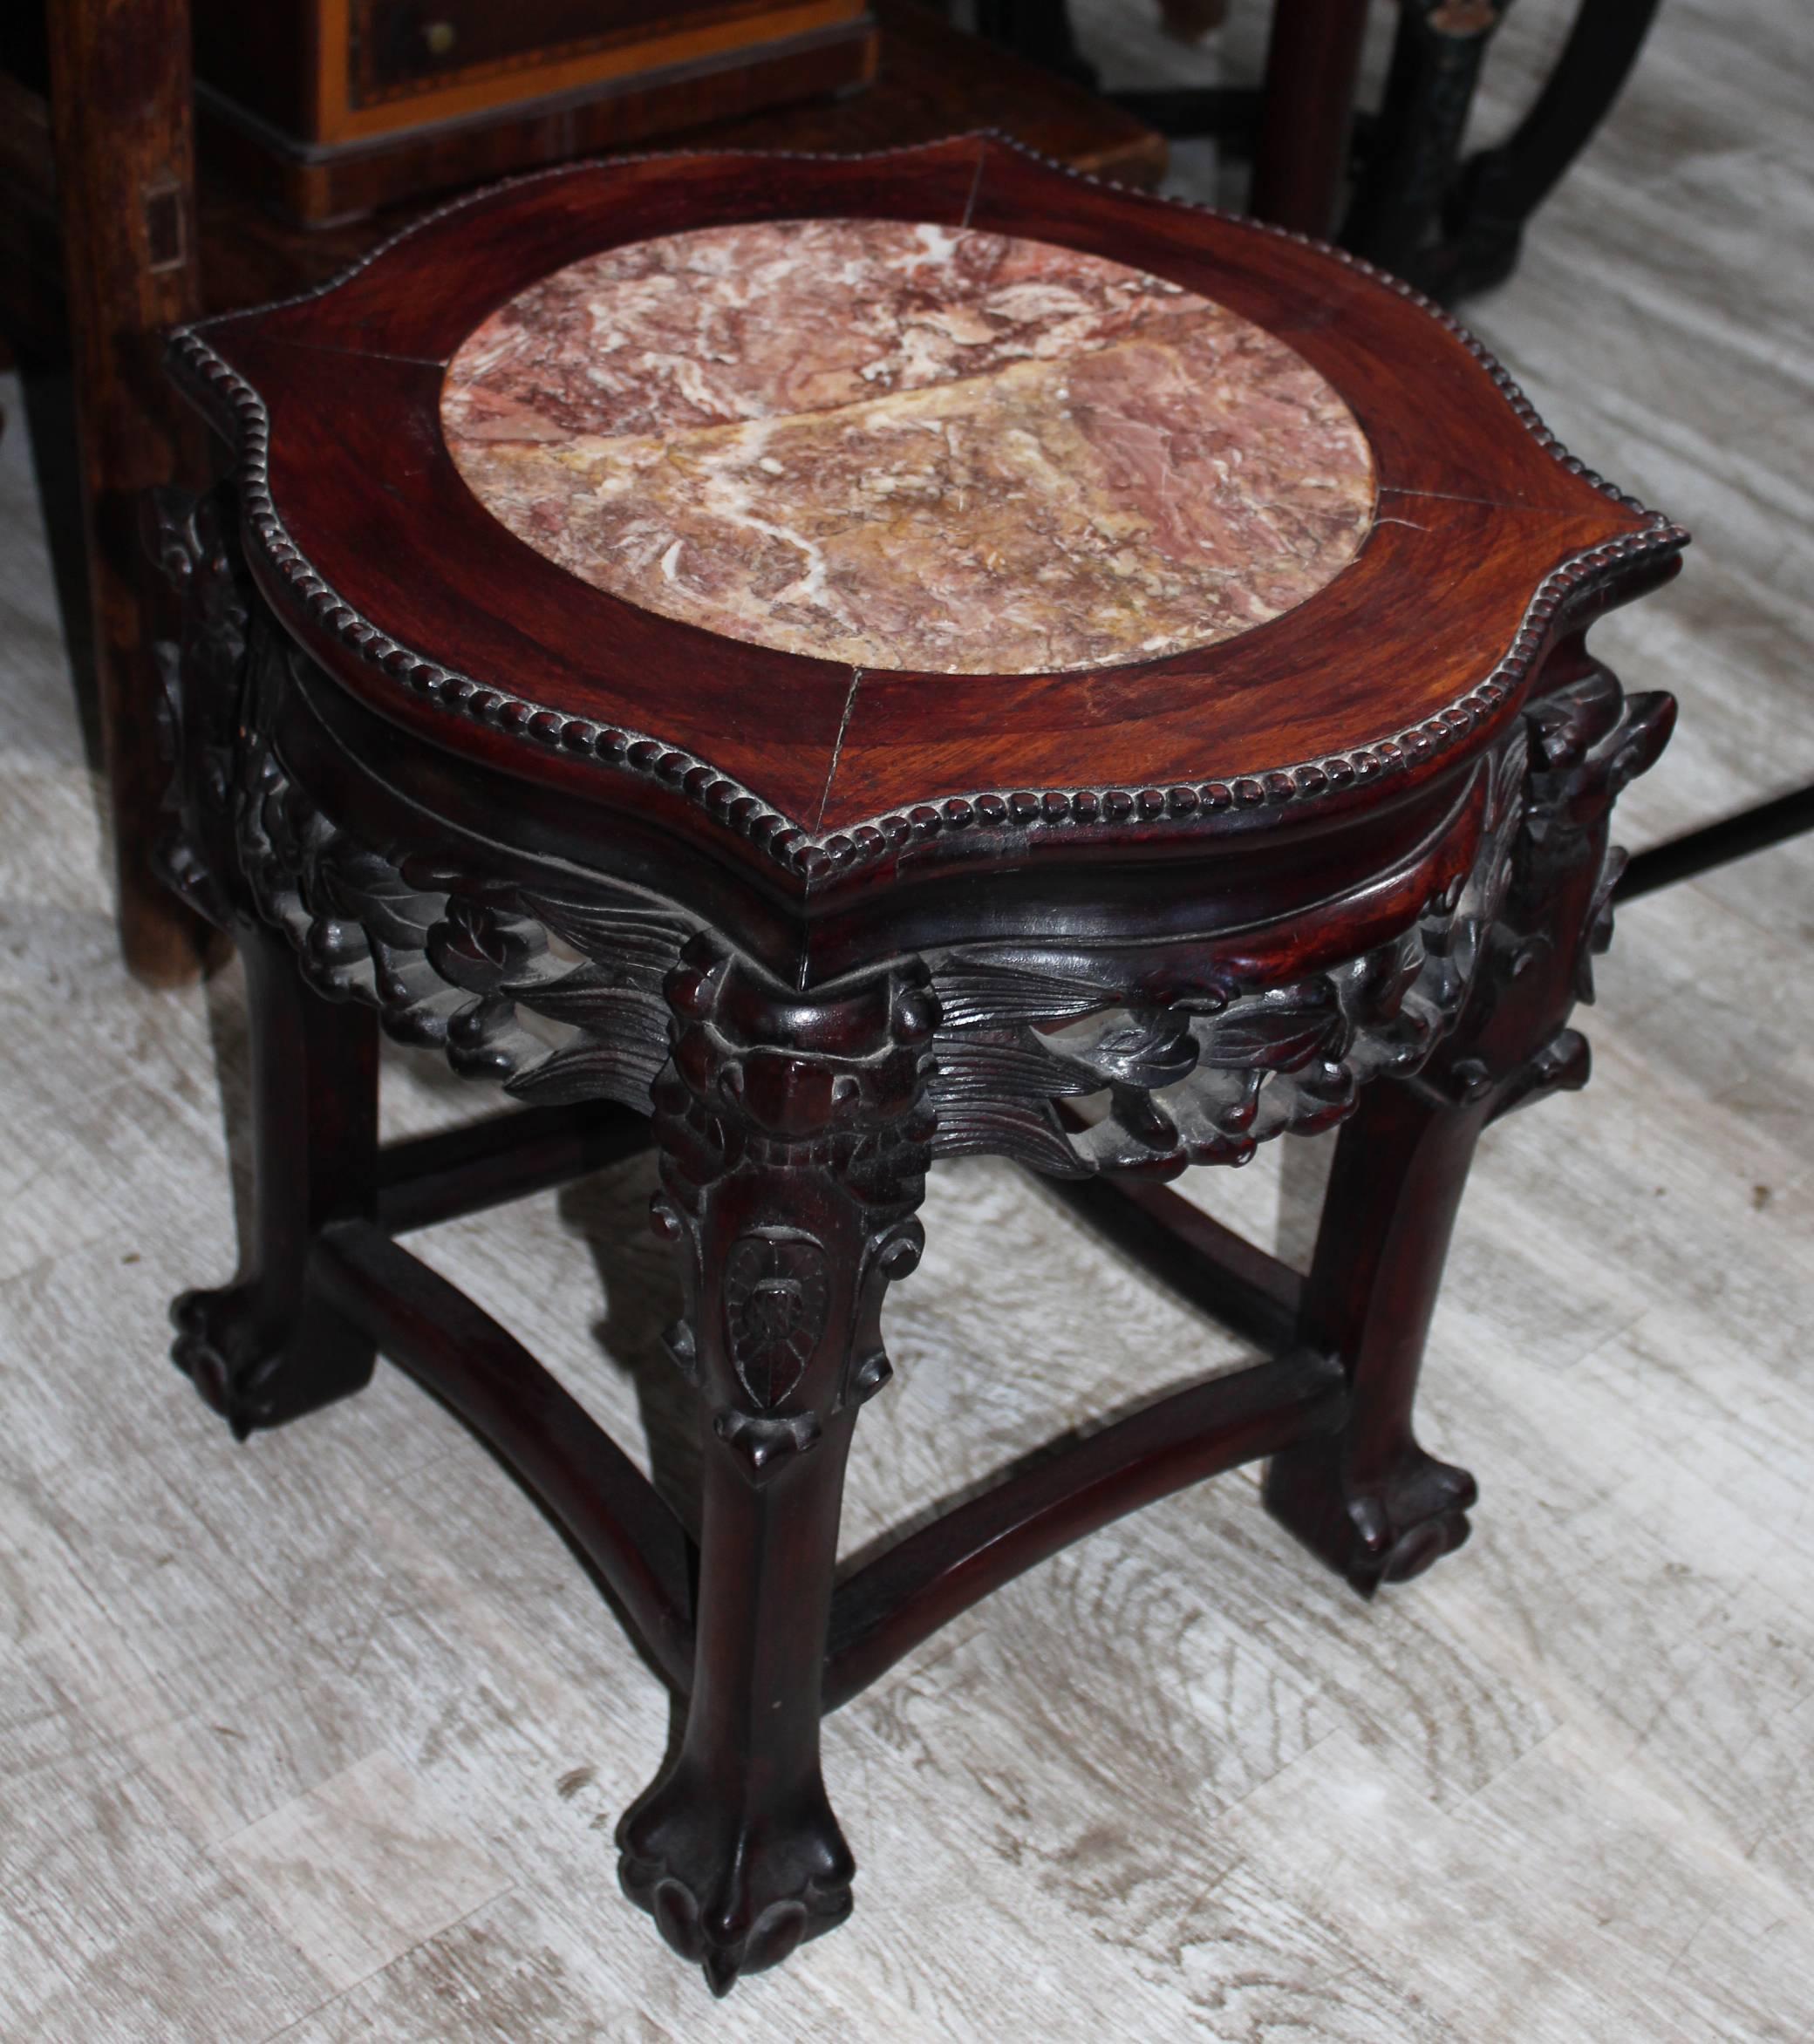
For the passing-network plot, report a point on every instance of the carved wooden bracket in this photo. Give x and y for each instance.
(1206, 1079)
(458, 961)
(796, 1134)
(1588, 740)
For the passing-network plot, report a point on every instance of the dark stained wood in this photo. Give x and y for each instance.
(1391, 937)
(1215, 1270)
(931, 79)
(586, 1484)
(1496, 192)
(392, 55)
(429, 1179)
(1415, 141)
(120, 89)
(794, 1141)
(733, 1849)
(267, 1348)
(1452, 226)
(327, 71)
(328, 110)
(1066, 1490)
(1255, 898)
(33, 313)
(329, 187)
(1278, 728)
(1370, 1500)
(27, 160)
(1301, 155)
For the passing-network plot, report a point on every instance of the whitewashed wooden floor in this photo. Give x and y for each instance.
(323, 1738)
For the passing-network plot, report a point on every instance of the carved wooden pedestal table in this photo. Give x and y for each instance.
(826, 665)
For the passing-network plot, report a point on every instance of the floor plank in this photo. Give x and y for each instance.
(323, 1738)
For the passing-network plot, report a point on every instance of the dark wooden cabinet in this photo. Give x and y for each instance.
(332, 107)
(404, 49)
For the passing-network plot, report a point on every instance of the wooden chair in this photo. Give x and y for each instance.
(1449, 225)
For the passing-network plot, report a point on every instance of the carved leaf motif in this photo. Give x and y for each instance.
(621, 1070)
(595, 997)
(1148, 1049)
(973, 995)
(1376, 984)
(476, 947)
(1275, 1032)
(1029, 1134)
(777, 1295)
(1210, 1076)
(1599, 931)
(643, 942)
(1145, 1120)
(398, 917)
(993, 1097)
(985, 1068)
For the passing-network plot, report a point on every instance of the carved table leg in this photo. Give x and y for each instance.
(1369, 1500)
(262, 1350)
(794, 1146)
(735, 1851)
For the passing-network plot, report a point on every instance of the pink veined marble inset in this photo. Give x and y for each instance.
(909, 446)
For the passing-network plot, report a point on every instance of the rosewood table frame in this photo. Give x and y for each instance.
(801, 1017)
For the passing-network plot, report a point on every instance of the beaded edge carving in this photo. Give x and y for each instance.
(812, 856)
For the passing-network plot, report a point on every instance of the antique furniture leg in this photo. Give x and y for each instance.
(266, 1348)
(1497, 190)
(794, 1149)
(1417, 136)
(1454, 227)
(1296, 125)
(1369, 1500)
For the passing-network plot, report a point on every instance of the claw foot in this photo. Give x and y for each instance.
(1377, 1532)
(253, 1378)
(219, 1350)
(732, 1891)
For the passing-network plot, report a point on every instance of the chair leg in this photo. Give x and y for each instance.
(1410, 161)
(265, 1349)
(1369, 1500)
(1300, 156)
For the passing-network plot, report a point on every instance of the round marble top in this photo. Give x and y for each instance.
(909, 446)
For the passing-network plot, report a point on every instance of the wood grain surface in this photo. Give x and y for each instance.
(400, 583)
(323, 1738)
